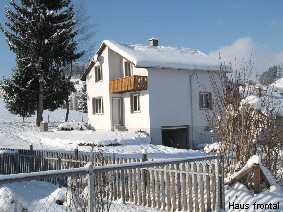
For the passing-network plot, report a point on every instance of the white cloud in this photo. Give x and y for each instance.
(245, 49)
(234, 54)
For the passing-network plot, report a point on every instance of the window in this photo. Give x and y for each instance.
(135, 102)
(205, 100)
(128, 69)
(98, 74)
(97, 105)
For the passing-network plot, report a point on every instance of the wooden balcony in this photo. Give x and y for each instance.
(133, 83)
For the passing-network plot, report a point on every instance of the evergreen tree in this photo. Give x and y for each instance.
(82, 106)
(41, 33)
(272, 74)
(19, 94)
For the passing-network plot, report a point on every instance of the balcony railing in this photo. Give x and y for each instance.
(133, 83)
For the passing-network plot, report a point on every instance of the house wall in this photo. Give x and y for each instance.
(97, 89)
(115, 65)
(171, 100)
(112, 68)
(139, 120)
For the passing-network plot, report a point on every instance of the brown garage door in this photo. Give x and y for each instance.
(175, 137)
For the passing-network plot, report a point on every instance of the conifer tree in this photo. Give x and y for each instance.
(41, 33)
(83, 100)
(271, 75)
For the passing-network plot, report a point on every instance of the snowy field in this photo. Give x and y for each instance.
(16, 134)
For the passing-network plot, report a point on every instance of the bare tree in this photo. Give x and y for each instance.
(245, 121)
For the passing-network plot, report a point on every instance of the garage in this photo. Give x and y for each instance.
(175, 136)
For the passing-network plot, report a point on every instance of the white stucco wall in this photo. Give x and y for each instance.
(115, 65)
(171, 100)
(168, 99)
(112, 68)
(97, 89)
(138, 120)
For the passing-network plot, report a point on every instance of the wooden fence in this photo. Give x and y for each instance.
(14, 161)
(185, 186)
(191, 184)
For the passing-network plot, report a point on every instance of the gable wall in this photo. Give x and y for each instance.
(115, 65)
(96, 89)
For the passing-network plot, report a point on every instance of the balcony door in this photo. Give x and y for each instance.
(117, 111)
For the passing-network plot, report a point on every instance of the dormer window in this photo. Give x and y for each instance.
(128, 69)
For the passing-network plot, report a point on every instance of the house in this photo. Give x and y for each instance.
(162, 90)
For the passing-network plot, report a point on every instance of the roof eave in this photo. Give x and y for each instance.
(83, 78)
(188, 69)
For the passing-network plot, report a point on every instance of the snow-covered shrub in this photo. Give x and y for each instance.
(71, 126)
(245, 122)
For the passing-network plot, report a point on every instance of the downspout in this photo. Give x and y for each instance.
(192, 114)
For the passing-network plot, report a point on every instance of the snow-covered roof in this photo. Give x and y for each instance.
(146, 56)
(163, 56)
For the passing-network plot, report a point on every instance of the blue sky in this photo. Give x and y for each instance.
(234, 28)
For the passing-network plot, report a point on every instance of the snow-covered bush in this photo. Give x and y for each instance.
(71, 126)
(245, 122)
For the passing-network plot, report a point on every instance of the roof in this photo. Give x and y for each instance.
(147, 56)
(163, 56)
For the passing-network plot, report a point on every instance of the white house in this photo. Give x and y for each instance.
(162, 90)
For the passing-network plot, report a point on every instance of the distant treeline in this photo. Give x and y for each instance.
(271, 75)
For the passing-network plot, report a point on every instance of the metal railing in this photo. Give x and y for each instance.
(191, 184)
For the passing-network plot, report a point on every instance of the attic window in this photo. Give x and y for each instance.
(98, 74)
(128, 69)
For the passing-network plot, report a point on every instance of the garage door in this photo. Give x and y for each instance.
(175, 137)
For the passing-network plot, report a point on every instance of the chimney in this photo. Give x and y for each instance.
(153, 41)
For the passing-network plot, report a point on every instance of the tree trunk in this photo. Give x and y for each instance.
(67, 100)
(67, 112)
(40, 104)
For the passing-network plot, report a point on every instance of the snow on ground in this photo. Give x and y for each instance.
(16, 134)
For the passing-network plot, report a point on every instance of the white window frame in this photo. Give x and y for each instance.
(205, 100)
(97, 105)
(128, 69)
(98, 73)
(135, 103)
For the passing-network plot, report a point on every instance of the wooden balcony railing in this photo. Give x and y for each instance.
(133, 83)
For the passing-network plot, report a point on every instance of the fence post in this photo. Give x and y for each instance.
(217, 189)
(256, 178)
(76, 151)
(123, 186)
(222, 182)
(16, 156)
(90, 189)
(145, 172)
(144, 157)
(59, 163)
(31, 165)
